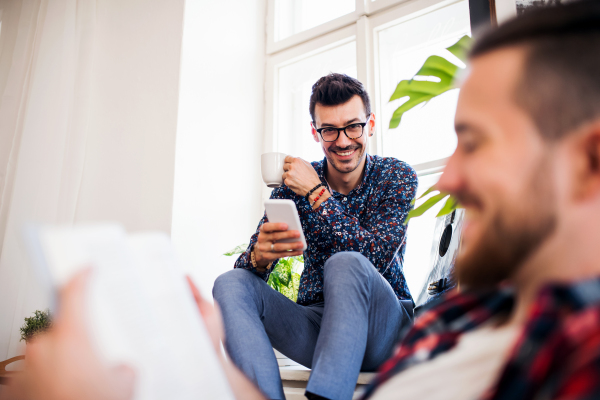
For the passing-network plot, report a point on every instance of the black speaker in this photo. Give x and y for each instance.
(445, 247)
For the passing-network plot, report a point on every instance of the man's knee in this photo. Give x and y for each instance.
(349, 264)
(230, 283)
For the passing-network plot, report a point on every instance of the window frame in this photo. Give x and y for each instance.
(362, 26)
(379, 22)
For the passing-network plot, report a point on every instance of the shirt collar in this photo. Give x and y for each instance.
(461, 312)
(322, 165)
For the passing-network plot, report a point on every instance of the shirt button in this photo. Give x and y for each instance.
(345, 198)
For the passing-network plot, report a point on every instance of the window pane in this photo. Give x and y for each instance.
(294, 16)
(426, 133)
(294, 87)
(419, 239)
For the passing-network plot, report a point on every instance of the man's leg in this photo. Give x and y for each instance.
(360, 326)
(257, 318)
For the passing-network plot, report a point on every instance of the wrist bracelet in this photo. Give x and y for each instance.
(318, 197)
(253, 260)
(312, 190)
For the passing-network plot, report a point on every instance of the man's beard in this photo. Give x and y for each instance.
(513, 235)
(343, 168)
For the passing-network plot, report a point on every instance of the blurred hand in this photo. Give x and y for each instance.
(211, 316)
(61, 364)
(271, 232)
(299, 175)
(242, 387)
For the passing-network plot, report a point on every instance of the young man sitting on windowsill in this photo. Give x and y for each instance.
(353, 300)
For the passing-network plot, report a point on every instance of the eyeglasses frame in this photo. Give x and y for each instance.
(362, 124)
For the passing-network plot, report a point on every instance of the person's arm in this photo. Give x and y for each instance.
(380, 236)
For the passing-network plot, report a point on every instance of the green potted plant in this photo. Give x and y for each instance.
(285, 277)
(40, 322)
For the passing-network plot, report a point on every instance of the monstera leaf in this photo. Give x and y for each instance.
(420, 91)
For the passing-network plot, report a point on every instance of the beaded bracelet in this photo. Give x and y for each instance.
(312, 190)
(318, 197)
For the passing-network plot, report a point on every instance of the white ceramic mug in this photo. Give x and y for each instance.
(271, 168)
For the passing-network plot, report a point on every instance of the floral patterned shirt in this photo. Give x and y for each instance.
(368, 220)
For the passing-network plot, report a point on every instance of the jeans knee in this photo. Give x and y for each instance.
(348, 263)
(230, 282)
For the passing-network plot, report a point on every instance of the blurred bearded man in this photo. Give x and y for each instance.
(526, 322)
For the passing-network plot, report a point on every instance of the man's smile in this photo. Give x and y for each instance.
(345, 155)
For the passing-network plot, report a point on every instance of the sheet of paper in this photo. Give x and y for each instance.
(141, 311)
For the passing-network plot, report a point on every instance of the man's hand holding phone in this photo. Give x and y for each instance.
(266, 250)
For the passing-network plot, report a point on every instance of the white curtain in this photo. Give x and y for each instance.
(88, 113)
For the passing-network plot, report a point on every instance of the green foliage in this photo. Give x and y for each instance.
(284, 277)
(236, 250)
(421, 91)
(40, 322)
(450, 205)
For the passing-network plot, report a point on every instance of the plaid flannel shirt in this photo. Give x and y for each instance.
(556, 356)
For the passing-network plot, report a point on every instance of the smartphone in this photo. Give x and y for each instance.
(285, 211)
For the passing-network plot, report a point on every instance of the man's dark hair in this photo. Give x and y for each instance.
(560, 84)
(336, 89)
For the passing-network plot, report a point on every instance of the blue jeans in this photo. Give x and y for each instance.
(354, 329)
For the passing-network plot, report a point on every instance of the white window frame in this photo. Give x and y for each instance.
(275, 62)
(361, 25)
(379, 22)
(304, 36)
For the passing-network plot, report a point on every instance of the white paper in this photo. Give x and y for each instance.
(141, 311)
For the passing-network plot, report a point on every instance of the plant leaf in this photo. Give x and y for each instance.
(439, 67)
(450, 205)
(418, 92)
(431, 189)
(461, 48)
(413, 88)
(236, 250)
(430, 202)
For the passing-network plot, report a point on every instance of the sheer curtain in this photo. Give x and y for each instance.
(88, 115)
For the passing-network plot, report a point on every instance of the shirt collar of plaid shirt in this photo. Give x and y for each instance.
(563, 328)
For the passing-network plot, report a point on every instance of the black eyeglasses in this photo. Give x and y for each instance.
(352, 131)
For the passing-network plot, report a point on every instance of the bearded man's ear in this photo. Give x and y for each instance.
(587, 162)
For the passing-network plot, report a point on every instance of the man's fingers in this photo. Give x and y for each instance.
(283, 254)
(269, 227)
(275, 255)
(279, 247)
(289, 159)
(277, 236)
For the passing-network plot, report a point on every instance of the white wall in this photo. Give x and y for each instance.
(216, 202)
(130, 153)
(97, 130)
